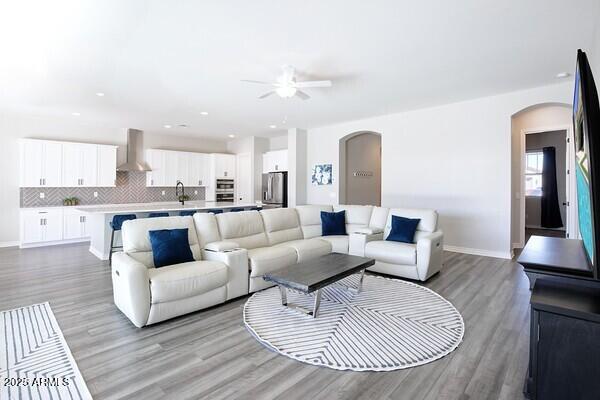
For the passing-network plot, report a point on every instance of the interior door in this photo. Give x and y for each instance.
(243, 181)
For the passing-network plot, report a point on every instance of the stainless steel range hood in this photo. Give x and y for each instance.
(135, 152)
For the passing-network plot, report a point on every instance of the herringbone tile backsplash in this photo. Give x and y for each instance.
(130, 188)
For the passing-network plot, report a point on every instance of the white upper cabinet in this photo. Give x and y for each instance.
(79, 165)
(197, 169)
(275, 161)
(41, 163)
(156, 161)
(107, 165)
(224, 166)
(46, 163)
(169, 167)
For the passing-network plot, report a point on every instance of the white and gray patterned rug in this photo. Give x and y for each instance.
(35, 361)
(390, 325)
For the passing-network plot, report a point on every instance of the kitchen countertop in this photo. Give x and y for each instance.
(162, 206)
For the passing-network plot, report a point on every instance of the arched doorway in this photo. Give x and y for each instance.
(360, 168)
(532, 129)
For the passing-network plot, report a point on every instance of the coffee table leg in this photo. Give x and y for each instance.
(360, 281)
(317, 303)
(283, 293)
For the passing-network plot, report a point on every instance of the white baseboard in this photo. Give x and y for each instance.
(98, 253)
(479, 252)
(54, 243)
(10, 244)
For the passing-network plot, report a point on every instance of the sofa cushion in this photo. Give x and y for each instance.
(185, 280)
(392, 252)
(307, 249)
(403, 229)
(246, 228)
(310, 219)
(281, 225)
(379, 218)
(269, 259)
(356, 216)
(333, 223)
(136, 240)
(206, 228)
(170, 246)
(339, 244)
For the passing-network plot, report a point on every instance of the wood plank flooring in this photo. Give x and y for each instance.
(209, 354)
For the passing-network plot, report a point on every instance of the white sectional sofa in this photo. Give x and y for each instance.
(232, 251)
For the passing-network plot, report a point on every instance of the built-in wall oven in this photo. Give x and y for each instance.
(225, 190)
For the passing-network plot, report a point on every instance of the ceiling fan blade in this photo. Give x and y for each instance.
(267, 94)
(259, 82)
(313, 84)
(302, 95)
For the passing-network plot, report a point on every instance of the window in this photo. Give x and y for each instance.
(534, 164)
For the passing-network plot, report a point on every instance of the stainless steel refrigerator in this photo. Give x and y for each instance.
(274, 189)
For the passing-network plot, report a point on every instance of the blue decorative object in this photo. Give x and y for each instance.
(236, 209)
(403, 229)
(333, 223)
(158, 214)
(322, 174)
(186, 213)
(216, 211)
(170, 246)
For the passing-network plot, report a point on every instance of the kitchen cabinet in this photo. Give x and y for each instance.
(275, 161)
(224, 165)
(41, 225)
(41, 163)
(156, 161)
(197, 169)
(243, 186)
(107, 166)
(74, 224)
(79, 165)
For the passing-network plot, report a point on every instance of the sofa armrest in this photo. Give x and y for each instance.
(430, 253)
(224, 245)
(237, 269)
(358, 241)
(131, 288)
(368, 231)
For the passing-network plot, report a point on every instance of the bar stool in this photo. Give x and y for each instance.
(236, 209)
(116, 224)
(215, 211)
(158, 214)
(186, 213)
(256, 209)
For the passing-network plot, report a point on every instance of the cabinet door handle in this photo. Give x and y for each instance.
(40, 181)
(41, 221)
(151, 182)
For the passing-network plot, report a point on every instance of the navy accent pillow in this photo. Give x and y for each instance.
(170, 246)
(333, 223)
(403, 229)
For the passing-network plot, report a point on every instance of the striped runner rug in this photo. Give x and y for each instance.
(35, 361)
(390, 325)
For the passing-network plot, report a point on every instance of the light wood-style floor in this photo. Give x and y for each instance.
(210, 355)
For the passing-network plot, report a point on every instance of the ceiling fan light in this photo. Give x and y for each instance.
(286, 91)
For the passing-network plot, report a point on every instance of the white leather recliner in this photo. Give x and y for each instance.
(147, 295)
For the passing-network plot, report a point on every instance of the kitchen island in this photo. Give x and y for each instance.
(100, 216)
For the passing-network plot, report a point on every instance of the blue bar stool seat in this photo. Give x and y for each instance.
(215, 211)
(236, 209)
(185, 213)
(116, 225)
(256, 209)
(158, 214)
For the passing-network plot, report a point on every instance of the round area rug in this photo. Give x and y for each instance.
(390, 325)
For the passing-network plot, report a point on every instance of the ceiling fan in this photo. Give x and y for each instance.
(287, 86)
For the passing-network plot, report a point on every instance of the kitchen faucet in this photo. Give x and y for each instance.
(181, 196)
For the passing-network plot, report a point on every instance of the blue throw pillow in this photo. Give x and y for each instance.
(170, 246)
(333, 223)
(403, 229)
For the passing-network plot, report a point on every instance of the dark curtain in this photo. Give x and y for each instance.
(550, 207)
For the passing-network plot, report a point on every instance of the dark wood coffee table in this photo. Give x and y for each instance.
(313, 275)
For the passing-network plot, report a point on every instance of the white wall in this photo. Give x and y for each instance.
(278, 143)
(455, 158)
(594, 52)
(13, 127)
(296, 167)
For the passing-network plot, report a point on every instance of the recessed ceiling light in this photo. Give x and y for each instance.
(203, 112)
(76, 114)
(231, 136)
(562, 74)
(167, 126)
(100, 94)
(272, 126)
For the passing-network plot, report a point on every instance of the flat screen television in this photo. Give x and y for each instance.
(586, 128)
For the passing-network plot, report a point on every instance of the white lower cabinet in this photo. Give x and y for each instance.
(54, 225)
(41, 225)
(74, 225)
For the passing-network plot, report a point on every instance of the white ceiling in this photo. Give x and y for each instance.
(163, 62)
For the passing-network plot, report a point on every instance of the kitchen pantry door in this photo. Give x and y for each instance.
(243, 178)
